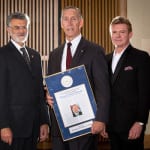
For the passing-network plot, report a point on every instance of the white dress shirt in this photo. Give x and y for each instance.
(19, 47)
(75, 43)
(115, 59)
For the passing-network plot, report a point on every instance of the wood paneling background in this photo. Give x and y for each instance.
(45, 33)
(97, 16)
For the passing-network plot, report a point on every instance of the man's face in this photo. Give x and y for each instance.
(120, 35)
(18, 30)
(71, 23)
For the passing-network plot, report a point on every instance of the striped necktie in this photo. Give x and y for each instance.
(25, 56)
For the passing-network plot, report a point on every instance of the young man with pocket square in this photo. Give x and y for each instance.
(129, 70)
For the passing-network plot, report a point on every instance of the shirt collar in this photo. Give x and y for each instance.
(114, 53)
(17, 45)
(75, 41)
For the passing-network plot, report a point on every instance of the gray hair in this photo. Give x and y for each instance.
(72, 7)
(18, 15)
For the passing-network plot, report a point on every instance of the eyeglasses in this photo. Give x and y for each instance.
(19, 27)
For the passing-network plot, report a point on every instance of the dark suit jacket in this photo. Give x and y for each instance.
(130, 86)
(92, 56)
(22, 106)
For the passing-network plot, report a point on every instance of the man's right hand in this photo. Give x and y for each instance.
(49, 99)
(6, 135)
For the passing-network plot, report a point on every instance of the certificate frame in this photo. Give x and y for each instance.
(74, 102)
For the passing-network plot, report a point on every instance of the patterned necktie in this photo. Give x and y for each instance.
(69, 56)
(25, 56)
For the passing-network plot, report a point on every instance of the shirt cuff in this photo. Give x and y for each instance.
(141, 123)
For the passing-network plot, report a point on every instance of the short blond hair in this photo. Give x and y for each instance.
(121, 20)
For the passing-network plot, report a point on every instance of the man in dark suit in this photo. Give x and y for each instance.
(23, 112)
(130, 86)
(92, 56)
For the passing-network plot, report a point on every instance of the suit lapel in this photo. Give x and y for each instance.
(119, 65)
(59, 58)
(18, 55)
(79, 53)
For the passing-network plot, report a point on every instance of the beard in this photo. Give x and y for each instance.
(20, 38)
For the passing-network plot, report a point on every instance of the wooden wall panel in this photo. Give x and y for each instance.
(97, 16)
(42, 32)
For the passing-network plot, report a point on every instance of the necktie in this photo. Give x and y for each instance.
(25, 56)
(69, 56)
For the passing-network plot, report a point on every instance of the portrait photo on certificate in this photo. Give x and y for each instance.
(74, 105)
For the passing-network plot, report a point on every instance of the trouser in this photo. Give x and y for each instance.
(87, 142)
(119, 141)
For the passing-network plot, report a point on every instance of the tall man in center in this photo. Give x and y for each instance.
(92, 56)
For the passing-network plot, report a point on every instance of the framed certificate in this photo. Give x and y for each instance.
(74, 102)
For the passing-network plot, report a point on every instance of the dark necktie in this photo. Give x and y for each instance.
(25, 56)
(69, 56)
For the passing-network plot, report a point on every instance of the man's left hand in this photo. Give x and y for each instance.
(44, 132)
(97, 127)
